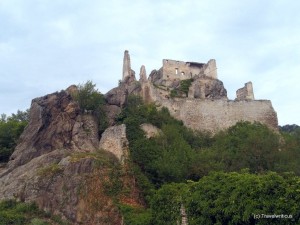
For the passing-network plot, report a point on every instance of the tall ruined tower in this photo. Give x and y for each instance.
(126, 65)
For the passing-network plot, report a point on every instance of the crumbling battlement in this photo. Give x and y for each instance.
(173, 69)
(245, 93)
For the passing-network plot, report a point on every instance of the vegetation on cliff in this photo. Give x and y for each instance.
(20, 213)
(91, 100)
(183, 88)
(179, 154)
(220, 179)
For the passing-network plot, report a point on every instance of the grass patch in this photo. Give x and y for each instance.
(50, 170)
(21, 213)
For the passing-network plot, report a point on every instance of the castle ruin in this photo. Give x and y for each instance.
(246, 92)
(193, 93)
(173, 69)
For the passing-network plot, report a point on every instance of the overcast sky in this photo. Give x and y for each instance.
(47, 45)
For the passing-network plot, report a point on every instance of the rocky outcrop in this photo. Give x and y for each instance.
(156, 76)
(58, 164)
(143, 75)
(55, 123)
(205, 87)
(118, 96)
(150, 130)
(114, 140)
(63, 183)
(112, 112)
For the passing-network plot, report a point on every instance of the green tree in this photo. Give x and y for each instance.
(11, 128)
(91, 100)
(166, 203)
(245, 145)
(230, 198)
(234, 198)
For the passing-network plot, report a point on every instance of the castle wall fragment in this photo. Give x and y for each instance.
(173, 69)
(216, 115)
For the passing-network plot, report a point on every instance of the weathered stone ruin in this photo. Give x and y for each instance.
(245, 93)
(205, 105)
(127, 71)
(173, 69)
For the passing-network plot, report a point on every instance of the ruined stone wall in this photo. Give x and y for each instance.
(173, 69)
(214, 115)
(245, 93)
(210, 69)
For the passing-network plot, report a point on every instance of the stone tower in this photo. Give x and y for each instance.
(126, 65)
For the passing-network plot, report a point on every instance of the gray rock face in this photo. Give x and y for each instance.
(112, 112)
(62, 184)
(150, 130)
(143, 75)
(118, 96)
(114, 140)
(53, 164)
(52, 118)
(204, 87)
(156, 77)
(55, 123)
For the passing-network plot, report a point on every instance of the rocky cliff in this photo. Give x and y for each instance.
(59, 165)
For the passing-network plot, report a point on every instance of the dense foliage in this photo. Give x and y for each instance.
(19, 213)
(179, 154)
(230, 198)
(10, 130)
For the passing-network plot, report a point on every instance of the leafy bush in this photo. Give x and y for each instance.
(135, 216)
(229, 198)
(20, 213)
(182, 90)
(91, 100)
(244, 145)
(168, 157)
(10, 130)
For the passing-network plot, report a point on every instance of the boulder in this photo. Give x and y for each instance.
(205, 87)
(114, 140)
(150, 130)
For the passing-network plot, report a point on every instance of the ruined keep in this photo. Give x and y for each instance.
(193, 93)
(173, 69)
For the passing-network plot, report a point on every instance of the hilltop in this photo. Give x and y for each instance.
(142, 152)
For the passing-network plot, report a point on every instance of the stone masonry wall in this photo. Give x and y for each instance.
(173, 69)
(215, 115)
(245, 93)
